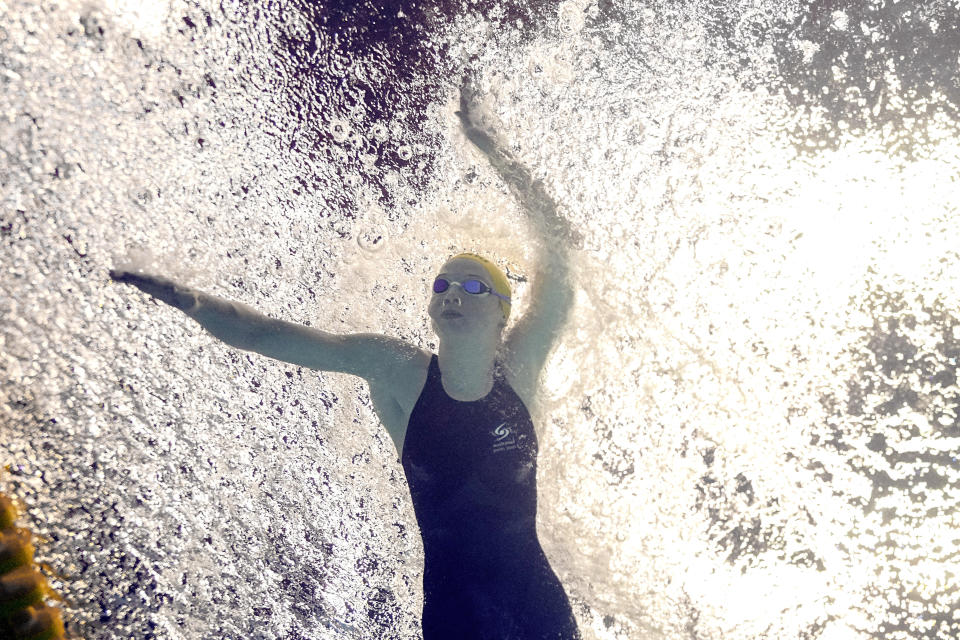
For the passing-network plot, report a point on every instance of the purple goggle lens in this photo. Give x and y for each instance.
(475, 287)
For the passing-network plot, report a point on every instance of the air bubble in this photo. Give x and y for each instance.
(339, 129)
(405, 152)
(232, 10)
(379, 131)
(20, 138)
(341, 228)
(372, 239)
(840, 20)
(337, 67)
(142, 196)
(138, 259)
(299, 29)
(570, 18)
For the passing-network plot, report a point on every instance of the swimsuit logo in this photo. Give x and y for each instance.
(502, 432)
(504, 438)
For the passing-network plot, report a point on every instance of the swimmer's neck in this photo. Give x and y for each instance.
(466, 367)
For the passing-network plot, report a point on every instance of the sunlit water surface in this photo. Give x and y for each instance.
(748, 430)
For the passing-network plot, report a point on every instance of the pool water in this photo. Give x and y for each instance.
(749, 428)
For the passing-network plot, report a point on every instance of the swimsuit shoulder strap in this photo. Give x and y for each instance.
(433, 375)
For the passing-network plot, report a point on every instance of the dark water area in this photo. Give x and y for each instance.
(859, 66)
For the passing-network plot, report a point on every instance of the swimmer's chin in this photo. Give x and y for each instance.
(451, 325)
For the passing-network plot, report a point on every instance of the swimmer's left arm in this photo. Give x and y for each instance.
(531, 339)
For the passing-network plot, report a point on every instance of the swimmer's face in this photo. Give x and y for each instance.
(455, 311)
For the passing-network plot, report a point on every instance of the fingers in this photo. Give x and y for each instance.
(120, 275)
(153, 285)
(467, 100)
(126, 275)
(466, 97)
(480, 138)
(163, 289)
(139, 279)
(142, 281)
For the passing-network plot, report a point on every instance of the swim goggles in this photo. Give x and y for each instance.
(475, 287)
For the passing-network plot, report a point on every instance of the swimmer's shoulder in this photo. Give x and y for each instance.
(409, 376)
(522, 375)
(395, 391)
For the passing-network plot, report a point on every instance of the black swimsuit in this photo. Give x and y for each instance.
(472, 469)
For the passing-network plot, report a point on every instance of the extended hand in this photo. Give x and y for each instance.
(476, 135)
(163, 289)
(532, 193)
(466, 100)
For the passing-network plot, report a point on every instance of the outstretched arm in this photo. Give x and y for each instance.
(381, 360)
(529, 342)
(394, 370)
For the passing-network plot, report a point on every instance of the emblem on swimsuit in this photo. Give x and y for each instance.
(504, 438)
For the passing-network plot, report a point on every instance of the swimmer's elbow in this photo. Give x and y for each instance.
(295, 344)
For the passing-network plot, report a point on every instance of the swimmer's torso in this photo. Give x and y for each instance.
(471, 468)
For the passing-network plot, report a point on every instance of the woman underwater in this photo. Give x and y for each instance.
(459, 418)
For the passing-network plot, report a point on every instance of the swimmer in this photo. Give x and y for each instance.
(459, 418)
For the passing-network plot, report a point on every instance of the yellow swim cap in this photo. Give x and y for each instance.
(498, 280)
